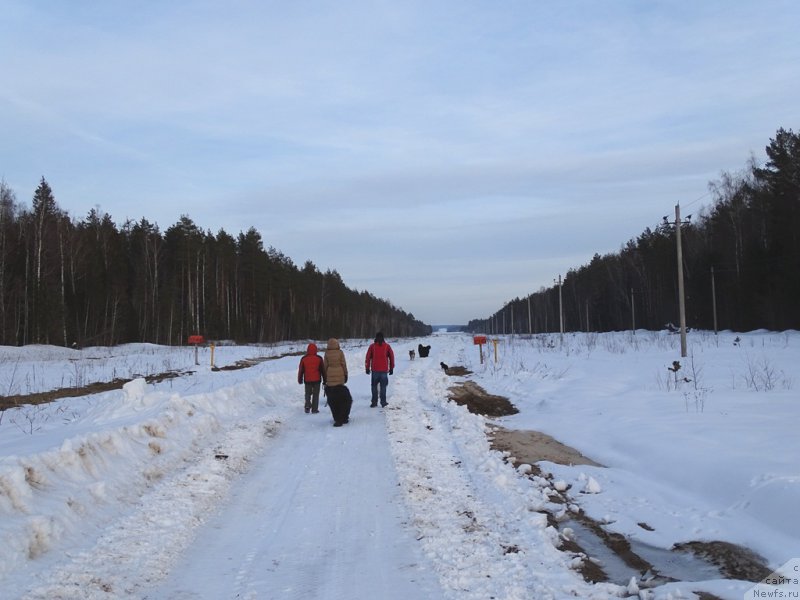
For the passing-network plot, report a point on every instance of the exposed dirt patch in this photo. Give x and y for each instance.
(116, 384)
(479, 402)
(93, 388)
(529, 447)
(734, 562)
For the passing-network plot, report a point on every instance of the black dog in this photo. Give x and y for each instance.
(444, 367)
(339, 401)
(423, 351)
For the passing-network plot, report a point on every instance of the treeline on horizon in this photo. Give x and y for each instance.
(89, 282)
(743, 252)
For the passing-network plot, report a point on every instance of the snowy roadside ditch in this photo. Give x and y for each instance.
(639, 521)
(478, 519)
(141, 485)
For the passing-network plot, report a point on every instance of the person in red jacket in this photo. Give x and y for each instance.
(380, 362)
(311, 372)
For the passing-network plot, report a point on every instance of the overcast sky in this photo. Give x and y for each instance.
(447, 155)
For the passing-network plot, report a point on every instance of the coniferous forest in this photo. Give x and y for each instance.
(740, 256)
(90, 282)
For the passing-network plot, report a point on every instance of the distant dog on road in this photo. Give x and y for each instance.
(411, 354)
(444, 367)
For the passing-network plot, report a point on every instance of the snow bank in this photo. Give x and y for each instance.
(142, 438)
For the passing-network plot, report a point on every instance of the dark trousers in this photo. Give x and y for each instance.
(339, 401)
(312, 395)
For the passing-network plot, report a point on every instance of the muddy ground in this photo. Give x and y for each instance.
(72, 392)
(530, 447)
(478, 401)
(116, 384)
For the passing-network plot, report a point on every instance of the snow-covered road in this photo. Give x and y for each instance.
(318, 515)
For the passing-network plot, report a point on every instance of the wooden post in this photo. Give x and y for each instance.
(560, 312)
(479, 340)
(530, 325)
(681, 299)
(196, 340)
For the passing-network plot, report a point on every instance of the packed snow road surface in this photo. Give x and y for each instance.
(319, 514)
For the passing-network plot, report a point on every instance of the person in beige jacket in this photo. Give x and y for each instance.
(335, 364)
(339, 399)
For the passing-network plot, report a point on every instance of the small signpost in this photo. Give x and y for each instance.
(479, 340)
(196, 340)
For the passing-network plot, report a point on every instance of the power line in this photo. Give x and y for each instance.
(696, 200)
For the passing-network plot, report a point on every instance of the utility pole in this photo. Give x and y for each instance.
(560, 312)
(633, 314)
(681, 296)
(530, 324)
(681, 299)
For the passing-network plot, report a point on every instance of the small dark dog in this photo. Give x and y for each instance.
(444, 367)
(411, 354)
(423, 350)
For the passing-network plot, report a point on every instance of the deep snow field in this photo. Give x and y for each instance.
(216, 484)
